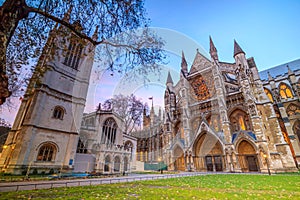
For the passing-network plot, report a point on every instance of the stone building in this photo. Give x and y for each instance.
(103, 145)
(48, 134)
(228, 117)
(44, 135)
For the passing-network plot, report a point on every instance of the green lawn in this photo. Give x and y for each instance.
(199, 187)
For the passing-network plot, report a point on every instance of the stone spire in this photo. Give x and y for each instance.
(183, 64)
(152, 114)
(169, 79)
(237, 49)
(213, 50)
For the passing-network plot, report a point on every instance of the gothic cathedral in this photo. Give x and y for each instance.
(224, 117)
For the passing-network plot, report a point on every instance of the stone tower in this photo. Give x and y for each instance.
(45, 132)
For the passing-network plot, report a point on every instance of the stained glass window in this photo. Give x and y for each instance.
(201, 91)
(109, 131)
(268, 93)
(285, 91)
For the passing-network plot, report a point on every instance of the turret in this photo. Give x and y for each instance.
(242, 71)
(237, 49)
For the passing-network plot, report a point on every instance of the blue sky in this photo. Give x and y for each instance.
(266, 30)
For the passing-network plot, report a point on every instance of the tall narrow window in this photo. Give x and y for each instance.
(285, 91)
(117, 164)
(46, 152)
(107, 164)
(109, 131)
(73, 55)
(81, 147)
(241, 122)
(269, 94)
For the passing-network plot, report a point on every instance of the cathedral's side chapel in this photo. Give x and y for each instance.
(104, 147)
(45, 133)
(222, 117)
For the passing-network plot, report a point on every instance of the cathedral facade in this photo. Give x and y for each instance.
(224, 117)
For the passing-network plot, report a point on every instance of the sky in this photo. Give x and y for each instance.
(266, 30)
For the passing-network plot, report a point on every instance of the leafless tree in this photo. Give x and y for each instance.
(129, 108)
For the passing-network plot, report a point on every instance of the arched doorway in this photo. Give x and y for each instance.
(107, 164)
(247, 157)
(117, 164)
(208, 153)
(178, 159)
(125, 164)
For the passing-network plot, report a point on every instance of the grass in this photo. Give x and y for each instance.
(199, 187)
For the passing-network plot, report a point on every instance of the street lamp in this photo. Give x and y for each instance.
(266, 159)
(159, 165)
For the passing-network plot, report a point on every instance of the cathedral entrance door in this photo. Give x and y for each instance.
(179, 164)
(247, 157)
(209, 163)
(252, 166)
(214, 163)
(218, 163)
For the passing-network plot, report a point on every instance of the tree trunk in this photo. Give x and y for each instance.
(11, 12)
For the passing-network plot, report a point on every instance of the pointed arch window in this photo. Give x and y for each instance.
(46, 153)
(269, 94)
(285, 91)
(109, 131)
(58, 112)
(117, 164)
(73, 55)
(81, 147)
(106, 164)
(239, 121)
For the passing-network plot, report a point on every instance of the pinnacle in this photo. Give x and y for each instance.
(237, 49)
(169, 79)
